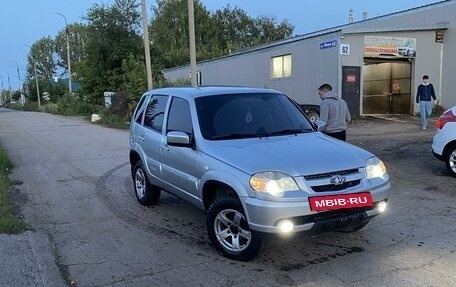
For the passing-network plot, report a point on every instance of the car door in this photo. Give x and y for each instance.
(150, 137)
(180, 162)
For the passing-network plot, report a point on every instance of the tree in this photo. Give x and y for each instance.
(216, 34)
(41, 57)
(77, 35)
(112, 35)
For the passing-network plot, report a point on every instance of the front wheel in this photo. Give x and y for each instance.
(450, 160)
(229, 230)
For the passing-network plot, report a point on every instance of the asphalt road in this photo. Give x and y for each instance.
(76, 188)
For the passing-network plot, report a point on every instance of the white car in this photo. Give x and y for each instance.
(444, 142)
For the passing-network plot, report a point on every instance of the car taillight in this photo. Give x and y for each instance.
(446, 117)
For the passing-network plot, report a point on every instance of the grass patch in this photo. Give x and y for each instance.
(9, 223)
(113, 121)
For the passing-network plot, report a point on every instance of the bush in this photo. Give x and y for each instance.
(74, 106)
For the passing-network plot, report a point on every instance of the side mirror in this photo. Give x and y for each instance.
(321, 125)
(178, 138)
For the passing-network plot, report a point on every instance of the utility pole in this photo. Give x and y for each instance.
(146, 46)
(37, 86)
(9, 86)
(191, 29)
(1, 95)
(36, 77)
(70, 90)
(20, 84)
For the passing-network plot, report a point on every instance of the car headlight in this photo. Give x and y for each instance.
(274, 183)
(375, 168)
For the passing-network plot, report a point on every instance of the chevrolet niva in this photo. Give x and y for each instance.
(254, 163)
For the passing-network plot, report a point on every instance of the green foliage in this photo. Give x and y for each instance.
(177, 83)
(112, 120)
(437, 110)
(77, 38)
(111, 37)
(28, 106)
(216, 34)
(107, 52)
(50, 108)
(134, 77)
(9, 223)
(73, 105)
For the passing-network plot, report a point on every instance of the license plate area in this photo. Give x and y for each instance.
(340, 201)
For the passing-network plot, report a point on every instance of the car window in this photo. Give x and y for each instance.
(249, 115)
(155, 112)
(179, 118)
(138, 115)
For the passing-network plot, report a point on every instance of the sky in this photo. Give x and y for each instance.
(24, 22)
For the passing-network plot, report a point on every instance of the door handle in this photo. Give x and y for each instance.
(165, 147)
(141, 138)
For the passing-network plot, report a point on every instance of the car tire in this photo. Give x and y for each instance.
(354, 228)
(229, 230)
(450, 160)
(146, 193)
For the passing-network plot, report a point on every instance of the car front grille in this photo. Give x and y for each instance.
(324, 182)
(332, 187)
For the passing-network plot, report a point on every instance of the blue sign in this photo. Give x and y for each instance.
(326, 45)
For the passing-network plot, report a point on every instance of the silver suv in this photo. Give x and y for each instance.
(254, 163)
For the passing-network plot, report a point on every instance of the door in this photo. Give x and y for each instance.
(350, 88)
(180, 163)
(386, 86)
(151, 134)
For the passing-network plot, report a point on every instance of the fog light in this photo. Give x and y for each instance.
(381, 206)
(286, 226)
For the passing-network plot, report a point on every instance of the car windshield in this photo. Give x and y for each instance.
(235, 116)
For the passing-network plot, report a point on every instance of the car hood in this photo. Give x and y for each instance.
(301, 154)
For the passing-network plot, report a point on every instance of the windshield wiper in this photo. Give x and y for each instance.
(288, 132)
(233, 136)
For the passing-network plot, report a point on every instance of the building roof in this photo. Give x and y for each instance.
(354, 27)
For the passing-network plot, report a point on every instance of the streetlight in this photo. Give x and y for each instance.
(68, 51)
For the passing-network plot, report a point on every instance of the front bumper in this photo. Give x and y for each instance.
(265, 216)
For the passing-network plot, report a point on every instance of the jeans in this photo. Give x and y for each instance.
(425, 111)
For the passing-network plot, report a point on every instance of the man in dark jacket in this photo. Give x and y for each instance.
(424, 96)
(333, 111)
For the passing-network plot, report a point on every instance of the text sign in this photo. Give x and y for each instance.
(330, 44)
(334, 202)
(344, 49)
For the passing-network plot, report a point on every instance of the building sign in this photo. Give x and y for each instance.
(377, 46)
(344, 49)
(330, 44)
(351, 78)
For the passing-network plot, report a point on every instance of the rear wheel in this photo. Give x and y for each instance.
(146, 193)
(450, 160)
(312, 115)
(229, 230)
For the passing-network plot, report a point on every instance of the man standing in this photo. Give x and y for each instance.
(423, 97)
(333, 111)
